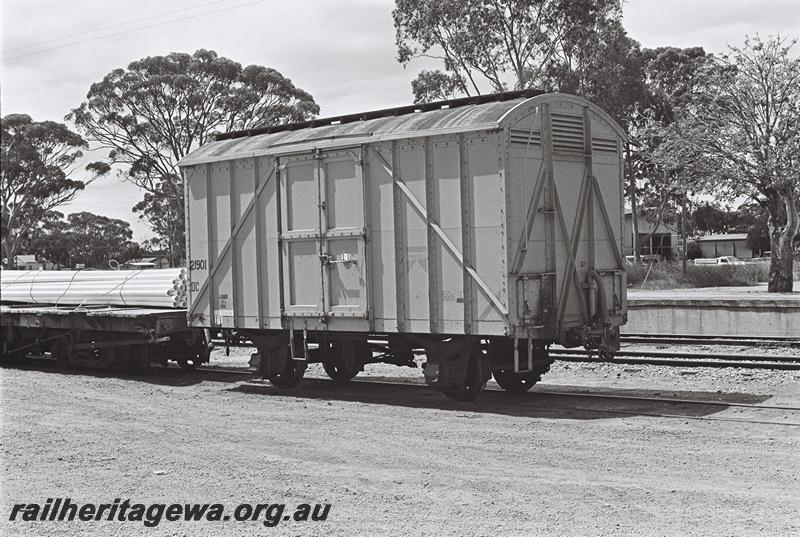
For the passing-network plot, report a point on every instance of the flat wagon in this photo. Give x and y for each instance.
(102, 336)
(480, 230)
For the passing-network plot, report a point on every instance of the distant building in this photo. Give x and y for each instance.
(30, 262)
(148, 262)
(719, 245)
(662, 241)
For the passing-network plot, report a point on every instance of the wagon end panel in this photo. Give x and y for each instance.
(565, 246)
(531, 259)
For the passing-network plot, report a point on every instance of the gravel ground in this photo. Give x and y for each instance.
(401, 460)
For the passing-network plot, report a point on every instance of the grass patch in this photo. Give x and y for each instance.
(668, 275)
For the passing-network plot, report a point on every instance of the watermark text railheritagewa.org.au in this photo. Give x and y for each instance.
(56, 510)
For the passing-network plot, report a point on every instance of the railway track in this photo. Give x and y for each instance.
(630, 356)
(682, 359)
(749, 341)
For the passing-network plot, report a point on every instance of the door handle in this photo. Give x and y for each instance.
(341, 258)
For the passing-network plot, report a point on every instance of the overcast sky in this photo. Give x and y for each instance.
(341, 51)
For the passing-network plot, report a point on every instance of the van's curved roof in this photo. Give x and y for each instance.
(459, 115)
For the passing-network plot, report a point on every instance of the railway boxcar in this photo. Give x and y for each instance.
(480, 230)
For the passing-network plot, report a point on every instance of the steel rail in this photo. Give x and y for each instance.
(715, 336)
(686, 355)
(676, 359)
(680, 361)
(711, 340)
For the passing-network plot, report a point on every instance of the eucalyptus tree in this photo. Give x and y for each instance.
(158, 109)
(496, 45)
(740, 130)
(39, 162)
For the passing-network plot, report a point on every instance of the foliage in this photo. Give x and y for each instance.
(165, 217)
(602, 64)
(432, 86)
(669, 275)
(693, 250)
(749, 218)
(671, 75)
(38, 159)
(86, 238)
(740, 130)
(496, 45)
(160, 108)
(661, 188)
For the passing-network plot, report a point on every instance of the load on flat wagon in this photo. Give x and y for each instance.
(480, 230)
(99, 319)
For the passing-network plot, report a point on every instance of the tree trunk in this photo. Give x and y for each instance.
(634, 212)
(684, 240)
(783, 226)
(9, 248)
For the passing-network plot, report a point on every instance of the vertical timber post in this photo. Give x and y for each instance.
(399, 244)
(212, 235)
(587, 128)
(233, 221)
(549, 206)
(362, 167)
(322, 198)
(276, 162)
(259, 234)
(433, 262)
(187, 250)
(466, 230)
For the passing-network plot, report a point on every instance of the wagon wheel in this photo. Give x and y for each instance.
(101, 358)
(346, 359)
(516, 382)
(136, 357)
(188, 363)
(501, 351)
(291, 375)
(606, 355)
(58, 350)
(338, 372)
(475, 381)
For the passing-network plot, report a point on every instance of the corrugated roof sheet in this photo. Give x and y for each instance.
(723, 237)
(461, 119)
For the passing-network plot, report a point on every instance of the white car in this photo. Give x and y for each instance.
(723, 260)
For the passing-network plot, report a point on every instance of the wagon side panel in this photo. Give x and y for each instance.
(268, 265)
(487, 234)
(385, 240)
(244, 302)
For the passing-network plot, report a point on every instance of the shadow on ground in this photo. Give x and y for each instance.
(544, 401)
(562, 402)
(159, 375)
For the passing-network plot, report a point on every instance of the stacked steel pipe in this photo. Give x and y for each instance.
(160, 288)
